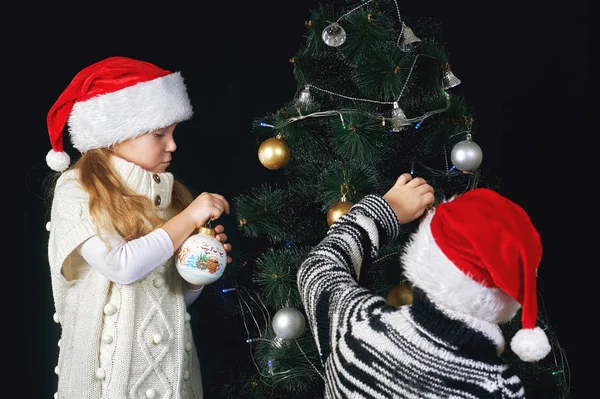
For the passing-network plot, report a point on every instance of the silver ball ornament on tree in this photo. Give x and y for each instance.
(288, 323)
(466, 155)
(334, 35)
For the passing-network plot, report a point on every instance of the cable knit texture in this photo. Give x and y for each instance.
(371, 350)
(118, 341)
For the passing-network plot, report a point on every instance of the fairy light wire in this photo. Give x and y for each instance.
(245, 306)
(354, 9)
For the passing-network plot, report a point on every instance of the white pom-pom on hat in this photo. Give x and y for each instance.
(530, 344)
(58, 160)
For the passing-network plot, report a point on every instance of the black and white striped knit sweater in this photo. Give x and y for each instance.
(371, 350)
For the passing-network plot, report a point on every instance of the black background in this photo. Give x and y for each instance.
(523, 65)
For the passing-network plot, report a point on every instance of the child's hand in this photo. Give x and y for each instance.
(222, 238)
(207, 206)
(409, 197)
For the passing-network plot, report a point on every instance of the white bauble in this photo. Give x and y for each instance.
(201, 259)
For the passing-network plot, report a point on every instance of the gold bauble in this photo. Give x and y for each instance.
(338, 209)
(274, 153)
(399, 295)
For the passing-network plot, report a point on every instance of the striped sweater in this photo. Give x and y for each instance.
(371, 350)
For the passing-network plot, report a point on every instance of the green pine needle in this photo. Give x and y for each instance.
(276, 275)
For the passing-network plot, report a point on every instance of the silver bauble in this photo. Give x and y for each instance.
(288, 323)
(334, 35)
(466, 155)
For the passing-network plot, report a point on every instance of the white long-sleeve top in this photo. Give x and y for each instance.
(125, 262)
(118, 340)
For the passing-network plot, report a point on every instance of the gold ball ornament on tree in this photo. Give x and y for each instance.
(399, 295)
(338, 210)
(274, 153)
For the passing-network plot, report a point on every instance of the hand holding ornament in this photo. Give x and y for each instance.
(409, 197)
(207, 206)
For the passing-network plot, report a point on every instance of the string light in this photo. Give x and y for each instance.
(270, 364)
(419, 119)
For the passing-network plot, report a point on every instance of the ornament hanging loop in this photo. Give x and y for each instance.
(344, 191)
(208, 229)
(345, 187)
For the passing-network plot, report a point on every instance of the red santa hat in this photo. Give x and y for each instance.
(113, 100)
(482, 244)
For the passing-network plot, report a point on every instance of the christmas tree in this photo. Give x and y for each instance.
(376, 97)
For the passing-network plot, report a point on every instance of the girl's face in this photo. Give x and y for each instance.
(151, 151)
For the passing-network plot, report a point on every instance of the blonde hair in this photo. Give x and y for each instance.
(114, 207)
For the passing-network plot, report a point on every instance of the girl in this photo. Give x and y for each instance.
(117, 217)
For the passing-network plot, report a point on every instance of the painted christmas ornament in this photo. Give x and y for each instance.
(201, 259)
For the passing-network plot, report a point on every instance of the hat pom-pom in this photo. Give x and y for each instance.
(58, 160)
(530, 344)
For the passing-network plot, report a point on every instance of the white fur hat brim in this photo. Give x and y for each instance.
(110, 118)
(428, 268)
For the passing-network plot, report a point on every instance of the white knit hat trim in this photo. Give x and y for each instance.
(128, 113)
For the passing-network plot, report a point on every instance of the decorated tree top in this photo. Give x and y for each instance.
(373, 101)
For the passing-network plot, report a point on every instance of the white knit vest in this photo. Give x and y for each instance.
(118, 341)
